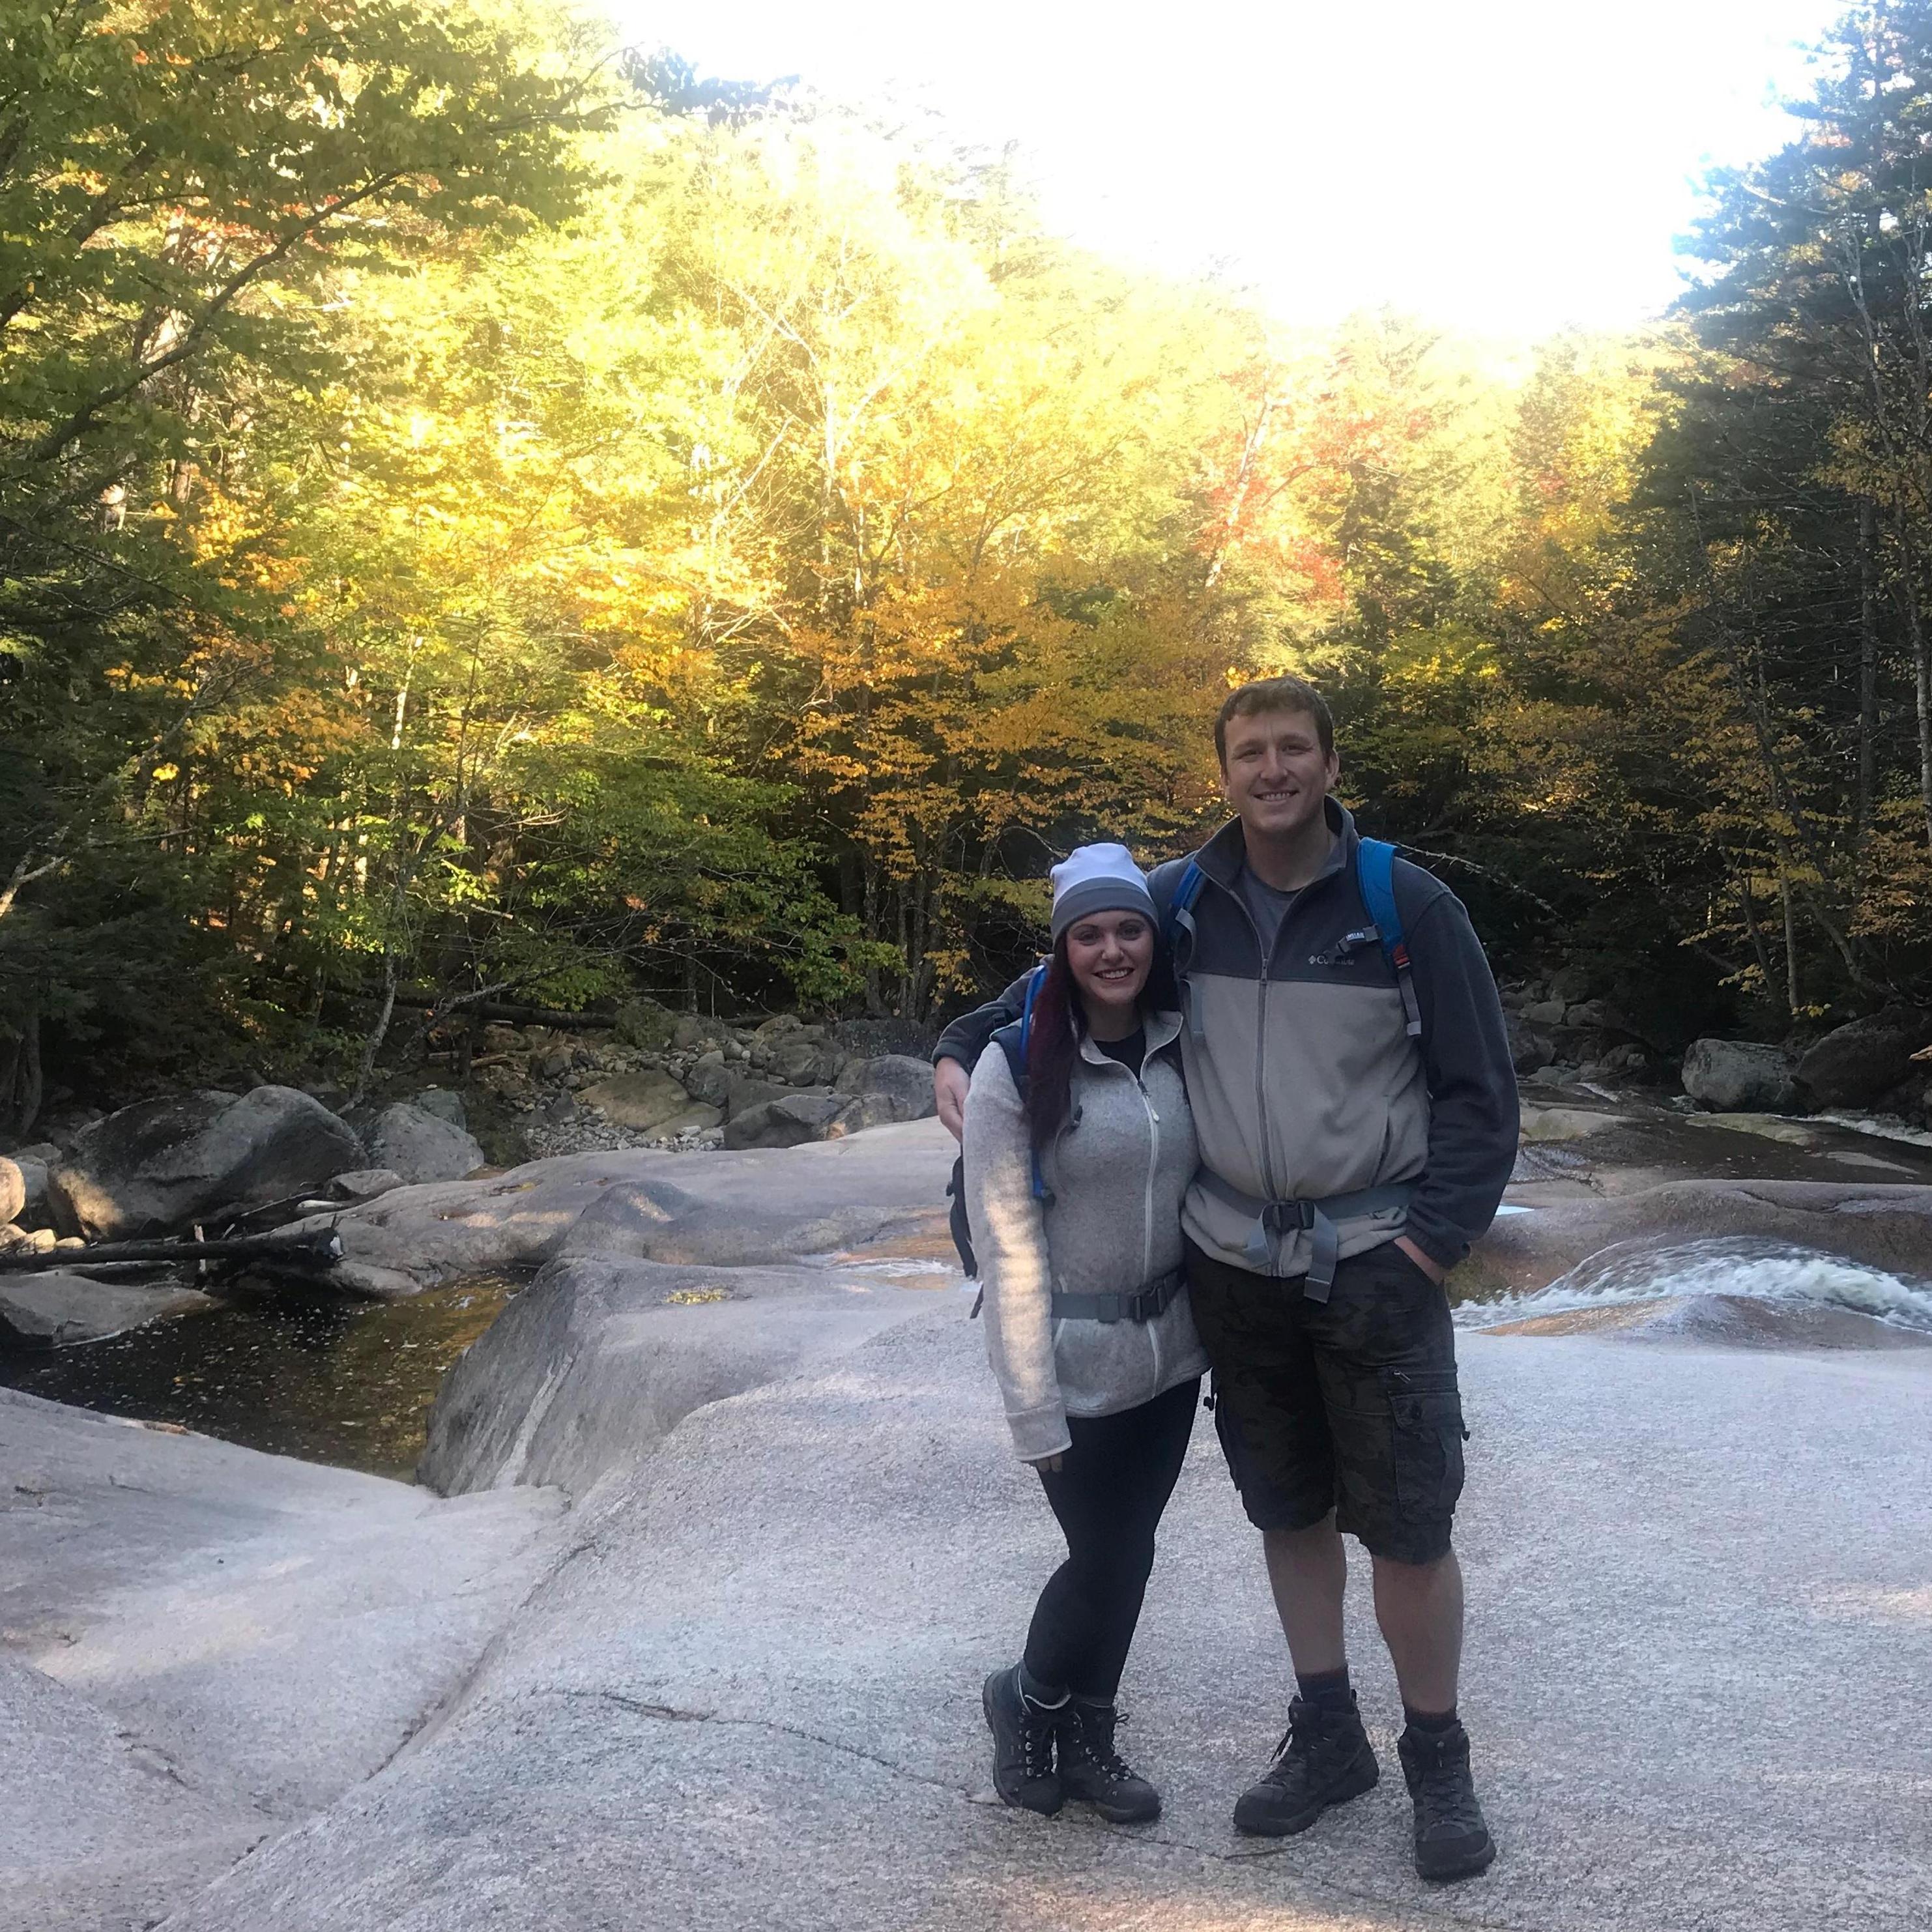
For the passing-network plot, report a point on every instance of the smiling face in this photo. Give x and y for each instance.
(1277, 775)
(1110, 955)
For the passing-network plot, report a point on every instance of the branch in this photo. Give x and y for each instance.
(24, 874)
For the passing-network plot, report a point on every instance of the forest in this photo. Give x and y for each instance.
(487, 516)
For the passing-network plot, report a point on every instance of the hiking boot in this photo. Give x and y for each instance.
(1325, 1758)
(1092, 1770)
(1451, 1840)
(1023, 1772)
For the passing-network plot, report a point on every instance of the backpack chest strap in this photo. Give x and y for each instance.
(1273, 1219)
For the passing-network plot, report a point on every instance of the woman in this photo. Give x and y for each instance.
(1078, 1148)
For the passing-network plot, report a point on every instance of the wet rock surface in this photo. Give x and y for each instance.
(739, 1209)
(1884, 1226)
(57, 1309)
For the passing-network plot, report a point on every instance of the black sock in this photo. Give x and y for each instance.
(1429, 1723)
(1041, 1697)
(1326, 1690)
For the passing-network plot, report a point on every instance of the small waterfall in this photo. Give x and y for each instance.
(1742, 1268)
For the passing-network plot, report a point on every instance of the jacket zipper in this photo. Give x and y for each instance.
(1154, 1163)
(1267, 956)
(1147, 1222)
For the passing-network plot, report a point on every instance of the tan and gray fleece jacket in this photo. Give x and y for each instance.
(1304, 1081)
(1115, 1177)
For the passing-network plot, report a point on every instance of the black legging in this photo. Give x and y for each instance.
(1109, 1493)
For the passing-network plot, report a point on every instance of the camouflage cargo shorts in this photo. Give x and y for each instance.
(1350, 1404)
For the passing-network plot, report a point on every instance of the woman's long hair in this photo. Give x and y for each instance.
(1059, 1024)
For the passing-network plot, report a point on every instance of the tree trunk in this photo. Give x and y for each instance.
(1921, 668)
(1790, 946)
(378, 1033)
(1867, 668)
(21, 1089)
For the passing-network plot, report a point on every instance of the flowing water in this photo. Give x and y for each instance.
(1751, 1269)
(319, 1377)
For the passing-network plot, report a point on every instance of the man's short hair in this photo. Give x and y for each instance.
(1276, 694)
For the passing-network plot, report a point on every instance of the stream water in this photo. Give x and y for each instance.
(1747, 1268)
(319, 1377)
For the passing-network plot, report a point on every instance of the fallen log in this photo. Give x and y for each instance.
(312, 1250)
(504, 1012)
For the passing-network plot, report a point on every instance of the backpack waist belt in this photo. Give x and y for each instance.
(1143, 1305)
(1273, 1219)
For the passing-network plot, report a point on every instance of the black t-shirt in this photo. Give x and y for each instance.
(1130, 1052)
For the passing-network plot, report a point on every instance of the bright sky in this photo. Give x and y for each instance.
(1507, 166)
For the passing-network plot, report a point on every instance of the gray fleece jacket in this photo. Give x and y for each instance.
(1117, 1175)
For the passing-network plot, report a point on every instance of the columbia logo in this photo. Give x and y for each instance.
(1345, 949)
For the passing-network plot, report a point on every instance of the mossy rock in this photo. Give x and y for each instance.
(645, 1025)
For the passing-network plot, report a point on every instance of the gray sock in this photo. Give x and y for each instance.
(1041, 1697)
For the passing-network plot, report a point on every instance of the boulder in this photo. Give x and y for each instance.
(695, 1032)
(1546, 1012)
(692, 1120)
(163, 1165)
(13, 1191)
(602, 1356)
(742, 1092)
(790, 1122)
(861, 1111)
(641, 1102)
(1530, 1051)
(444, 1104)
(709, 1080)
(34, 1163)
(52, 1309)
(421, 1147)
(364, 1183)
(904, 1082)
(1853, 1065)
(1738, 1076)
(1627, 1058)
(645, 1025)
(801, 1061)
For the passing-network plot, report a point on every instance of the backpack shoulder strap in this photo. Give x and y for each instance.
(1177, 923)
(1180, 916)
(1375, 874)
(1013, 1041)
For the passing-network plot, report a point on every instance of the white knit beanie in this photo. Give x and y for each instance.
(1098, 878)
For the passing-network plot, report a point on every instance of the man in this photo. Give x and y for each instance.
(1350, 1155)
